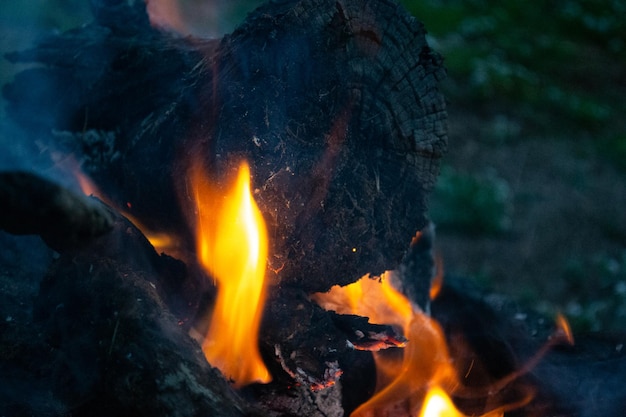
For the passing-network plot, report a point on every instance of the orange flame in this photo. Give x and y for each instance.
(232, 246)
(374, 298)
(564, 329)
(87, 186)
(426, 361)
(421, 380)
(437, 281)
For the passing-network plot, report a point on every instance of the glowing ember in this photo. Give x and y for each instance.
(232, 247)
(162, 242)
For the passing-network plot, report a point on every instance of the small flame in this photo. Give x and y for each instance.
(437, 281)
(162, 242)
(564, 329)
(374, 298)
(438, 404)
(423, 379)
(87, 186)
(232, 245)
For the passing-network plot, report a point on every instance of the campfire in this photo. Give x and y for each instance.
(238, 227)
(232, 246)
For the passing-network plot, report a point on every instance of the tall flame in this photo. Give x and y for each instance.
(232, 246)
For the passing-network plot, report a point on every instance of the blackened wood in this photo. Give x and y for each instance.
(349, 130)
(34, 205)
(415, 274)
(114, 343)
(305, 343)
(335, 105)
(23, 351)
(311, 354)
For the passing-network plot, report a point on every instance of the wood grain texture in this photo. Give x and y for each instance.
(335, 105)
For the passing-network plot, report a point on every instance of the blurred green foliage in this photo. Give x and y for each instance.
(551, 60)
(596, 292)
(472, 204)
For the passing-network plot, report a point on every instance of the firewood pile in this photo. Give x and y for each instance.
(336, 108)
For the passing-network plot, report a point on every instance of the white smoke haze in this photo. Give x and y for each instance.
(24, 24)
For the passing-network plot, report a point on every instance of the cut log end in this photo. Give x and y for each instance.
(346, 140)
(335, 105)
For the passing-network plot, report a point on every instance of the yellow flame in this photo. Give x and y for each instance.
(371, 297)
(232, 246)
(438, 404)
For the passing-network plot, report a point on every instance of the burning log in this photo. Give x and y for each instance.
(317, 96)
(335, 107)
(105, 312)
(334, 104)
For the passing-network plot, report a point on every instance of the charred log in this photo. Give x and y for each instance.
(111, 337)
(334, 104)
(34, 205)
(116, 338)
(414, 276)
